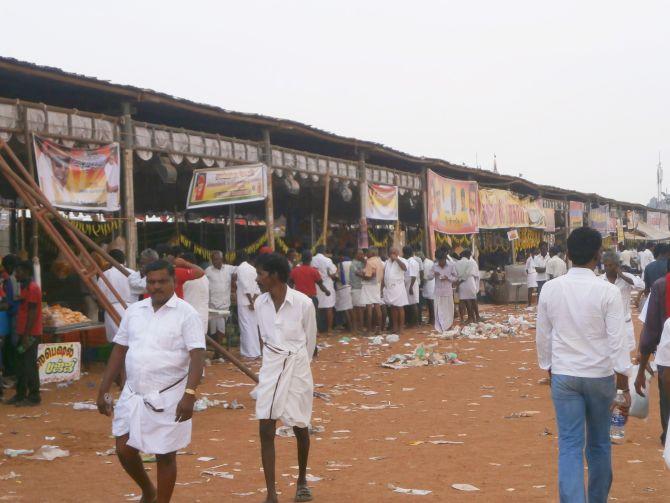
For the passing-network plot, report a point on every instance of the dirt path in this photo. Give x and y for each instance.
(378, 432)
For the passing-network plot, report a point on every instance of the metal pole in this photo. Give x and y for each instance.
(269, 201)
(424, 205)
(326, 204)
(230, 242)
(129, 188)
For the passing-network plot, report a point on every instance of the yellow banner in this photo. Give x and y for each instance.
(219, 186)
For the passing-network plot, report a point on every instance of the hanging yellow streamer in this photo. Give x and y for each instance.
(97, 229)
(229, 256)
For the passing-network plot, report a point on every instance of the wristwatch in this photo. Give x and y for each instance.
(189, 391)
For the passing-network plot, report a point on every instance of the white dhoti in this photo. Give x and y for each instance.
(371, 294)
(110, 327)
(444, 312)
(468, 289)
(357, 297)
(630, 334)
(148, 430)
(412, 298)
(285, 387)
(532, 280)
(217, 323)
(326, 301)
(343, 300)
(395, 294)
(250, 345)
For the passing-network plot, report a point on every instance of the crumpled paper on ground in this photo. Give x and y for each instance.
(414, 492)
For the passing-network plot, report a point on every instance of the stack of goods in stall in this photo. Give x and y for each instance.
(59, 316)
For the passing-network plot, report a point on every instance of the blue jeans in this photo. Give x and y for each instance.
(583, 415)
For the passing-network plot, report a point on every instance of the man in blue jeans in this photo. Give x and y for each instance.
(581, 342)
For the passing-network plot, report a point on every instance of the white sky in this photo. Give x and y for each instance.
(571, 93)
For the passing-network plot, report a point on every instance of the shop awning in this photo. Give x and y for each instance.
(652, 233)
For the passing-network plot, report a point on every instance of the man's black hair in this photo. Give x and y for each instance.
(9, 262)
(159, 265)
(321, 249)
(162, 249)
(583, 245)
(306, 257)
(118, 255)
(190, 257)
(466, 253)
(26, 266)
(407, 251)
(274, 263)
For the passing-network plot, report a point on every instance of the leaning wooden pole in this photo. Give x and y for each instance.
(326, 205)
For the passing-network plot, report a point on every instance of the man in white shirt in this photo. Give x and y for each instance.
(119, 282)
(540, 262)
(555, 265)
(220, 278)
(328, 273)
(531, 275)
(287, 324)
(468, 286)
(162, 344)
(247, 291)
(343, 299)
(626, 283)
(393, 288)
(645, 257)
(428, 288)
(625, 257)
(136, 280)
(196, 293)
(412, 284)
(581, 341)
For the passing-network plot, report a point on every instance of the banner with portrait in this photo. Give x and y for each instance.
(59, 361)
(453, 205)
(576, 215)
(599, 219)
(501, 209)
(221, 186)
(654, 219)
(549, 219)
(535, 213)
(82, 179)
(381, 202)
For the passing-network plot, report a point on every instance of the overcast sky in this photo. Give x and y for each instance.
(573, 93)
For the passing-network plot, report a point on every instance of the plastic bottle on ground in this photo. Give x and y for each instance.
(618, 420)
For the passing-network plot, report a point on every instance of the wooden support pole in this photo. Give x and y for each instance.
(128, 201)
(31, 166)
(326, 204)
(362, 200)
(230, 242)
(424, 205)
(269, 201)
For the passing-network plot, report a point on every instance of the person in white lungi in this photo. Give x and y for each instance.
(196, 293)
(287, 323)
(162, 343)
(356, 282)
(626, 283)
(412, 284)
(372, 278)
(119, 282)
(531, 275)
(393, 288)
(428, 288)
(445, 276)
(555, 265)
(328, 272)
(540, 263)
(220, 278)
(247, 291)
(468, 284)
(343, 300)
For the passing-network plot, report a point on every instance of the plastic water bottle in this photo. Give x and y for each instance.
(618, 420)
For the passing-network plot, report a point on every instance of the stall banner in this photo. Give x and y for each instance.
(599, 219)
(363, 241)
(620, 237)
(221, 186)
(664, 222)
(501, 209)
(549, 220)
(654, 219)
(612, 226)
(535, 211)
(576, 215)
(83, 179)
(632, 218)
(59, 361)
(382, 202)
(452, 205)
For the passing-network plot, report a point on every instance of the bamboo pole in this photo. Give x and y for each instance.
(129, 188)
(269, 201)
(326, 204)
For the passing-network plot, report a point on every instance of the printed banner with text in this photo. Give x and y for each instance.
(382, 202)
(599, 219)
(83, 179)
(220, 186)
(59, 362)
(576, 215)
(501, 209)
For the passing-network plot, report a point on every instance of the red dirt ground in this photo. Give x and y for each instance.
(361, 452)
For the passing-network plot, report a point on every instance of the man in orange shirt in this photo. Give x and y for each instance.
(29, 330)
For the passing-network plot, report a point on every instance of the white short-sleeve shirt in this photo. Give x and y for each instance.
(219, 285)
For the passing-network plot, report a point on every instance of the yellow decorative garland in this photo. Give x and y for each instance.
(230, 257)
(97, 229)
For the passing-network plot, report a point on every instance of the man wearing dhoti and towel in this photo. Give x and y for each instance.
(120, 283)
(162, 343)
(468, 284)
(287, 323)
(445, 276)
(247, 291)
(324, 264)
(394, 291)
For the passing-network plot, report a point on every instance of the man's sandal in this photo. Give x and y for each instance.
(303, 493)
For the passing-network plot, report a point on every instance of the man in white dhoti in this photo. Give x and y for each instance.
(428, 288)
(626, 283)
(412, 282)
(247, 291)
(468, 284)
(531, 275)
(393, 288)
(343, 299)
(163, 345)
(196, 293)
(328, 272)
(119, 282)
(356, 282)
(372, 278)
(445, 276)
(287, 323)
(220, 278)
(136, 280)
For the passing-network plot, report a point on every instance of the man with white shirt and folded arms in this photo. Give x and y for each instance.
(394, 291)
(287, 325)
(163, 345)
(555, 265)
(220, 278)
(247, 291)
(581, 341)
(137, 279)
(120, 283)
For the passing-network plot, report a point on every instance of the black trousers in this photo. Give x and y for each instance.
(27, 374)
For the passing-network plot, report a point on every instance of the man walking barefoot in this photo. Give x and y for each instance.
(287, 324)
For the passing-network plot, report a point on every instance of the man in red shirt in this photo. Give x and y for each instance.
(305, 278)
(184, 271)
(29, 331)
